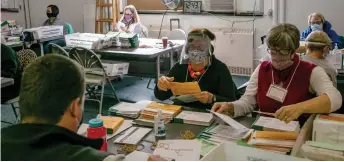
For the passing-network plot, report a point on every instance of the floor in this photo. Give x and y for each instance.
(130, 89)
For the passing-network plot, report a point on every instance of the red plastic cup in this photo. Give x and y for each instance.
(164, 42)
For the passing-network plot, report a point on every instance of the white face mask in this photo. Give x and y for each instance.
(317, 27)
(281, 62)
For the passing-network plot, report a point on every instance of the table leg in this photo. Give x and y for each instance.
(171, 59)
(42, 49)
(157, 68)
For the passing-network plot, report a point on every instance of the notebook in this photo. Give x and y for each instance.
(184, 88)
(112, 123)
(273, 124)
(132, 136)
(179, 150)
(194, 118)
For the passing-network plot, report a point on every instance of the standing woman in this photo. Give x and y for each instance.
(286, 86)
(130, 21)
(199, 64)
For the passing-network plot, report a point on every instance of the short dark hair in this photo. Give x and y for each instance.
(54, 9)
(49, 85)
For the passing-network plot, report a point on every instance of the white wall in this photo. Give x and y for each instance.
(81, 15)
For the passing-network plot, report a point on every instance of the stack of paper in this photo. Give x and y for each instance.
(195, 118)
(128, 40)
(130, 110)
(322, 151)
(169, 111)
(179, 150)
(220, 133)
(273, 124)
(281, 142)
(329, 128)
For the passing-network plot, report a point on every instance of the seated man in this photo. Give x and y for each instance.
(51, 106)
(10, 68)
(318, 47)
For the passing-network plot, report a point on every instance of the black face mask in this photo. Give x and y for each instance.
(51, 15)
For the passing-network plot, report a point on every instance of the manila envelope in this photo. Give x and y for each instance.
(185, 88)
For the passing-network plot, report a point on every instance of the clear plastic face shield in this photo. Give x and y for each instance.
(197, 49)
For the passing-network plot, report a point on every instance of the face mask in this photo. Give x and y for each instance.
(317, 27)
(50, 15)
(127, 17)
(281, 62)
(197, 57)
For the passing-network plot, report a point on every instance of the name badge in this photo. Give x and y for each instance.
(277, 93)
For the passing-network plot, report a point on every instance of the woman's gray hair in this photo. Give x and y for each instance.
(316, 15)
(317, 41)
(284, 36)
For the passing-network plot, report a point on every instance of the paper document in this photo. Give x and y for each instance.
(179, 150)
(185, 88)
(231, 122)
(133, 135)
(186, 98)
(225, 131)
(273, 123)
(195, 116)
(137, 156)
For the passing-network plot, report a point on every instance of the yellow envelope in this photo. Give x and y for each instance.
(185, 88)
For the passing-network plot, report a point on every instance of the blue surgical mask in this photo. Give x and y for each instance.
(317, 27)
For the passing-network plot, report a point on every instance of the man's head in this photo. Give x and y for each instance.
(318, 42)
(52, 92)
(316, 21)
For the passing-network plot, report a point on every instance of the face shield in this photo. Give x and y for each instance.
(197, 49)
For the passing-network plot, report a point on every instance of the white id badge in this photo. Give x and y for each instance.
(277, 93)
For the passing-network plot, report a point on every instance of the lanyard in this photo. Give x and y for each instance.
(292, 77)
(187, 73)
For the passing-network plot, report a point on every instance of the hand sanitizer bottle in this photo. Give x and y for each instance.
(159, 125)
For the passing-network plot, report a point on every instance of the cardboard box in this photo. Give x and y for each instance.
(328, 130)
(44, 32)
(232, 152)
(114, 68)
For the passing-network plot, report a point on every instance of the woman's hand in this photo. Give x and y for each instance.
(223, 108)
(114, 27)
(288, 113)
(204, 97)
(164, 83)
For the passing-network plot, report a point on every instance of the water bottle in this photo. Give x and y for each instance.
(159, 125)
(97, 130)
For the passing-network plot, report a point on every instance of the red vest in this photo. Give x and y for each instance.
(298, 90)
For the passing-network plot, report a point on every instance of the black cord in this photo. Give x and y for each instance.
(162, 21)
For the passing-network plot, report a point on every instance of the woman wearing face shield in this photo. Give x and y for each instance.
(318, 47)
(317, 22)
(286, 86)
(129, 22)
(199, 64)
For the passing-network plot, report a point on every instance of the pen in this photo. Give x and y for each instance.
(265, 113)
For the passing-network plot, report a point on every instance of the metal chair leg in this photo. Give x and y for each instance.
(14, 110)
(150, 80)
(101, 98)
(113, 90)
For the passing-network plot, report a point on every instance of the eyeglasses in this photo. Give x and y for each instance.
(281, 51)
(316, 22)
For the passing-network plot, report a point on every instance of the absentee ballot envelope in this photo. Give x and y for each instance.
(185, 88)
